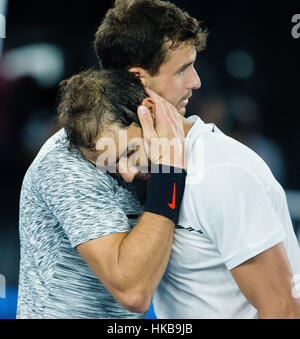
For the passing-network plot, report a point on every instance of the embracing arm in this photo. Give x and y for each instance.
(131, 265)
(266, 280)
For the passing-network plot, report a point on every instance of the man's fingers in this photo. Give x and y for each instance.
(151, 93)
(167, 126)
(149, 133)
(163, 108)
(166, 115)
(146, 123)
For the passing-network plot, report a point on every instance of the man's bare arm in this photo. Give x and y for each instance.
(131, 265)
(267, 282)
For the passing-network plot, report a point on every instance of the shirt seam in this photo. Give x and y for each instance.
(52, 278)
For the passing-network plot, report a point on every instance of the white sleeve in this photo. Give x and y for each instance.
(237, 214)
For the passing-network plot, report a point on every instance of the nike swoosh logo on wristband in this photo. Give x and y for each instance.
(173, 204)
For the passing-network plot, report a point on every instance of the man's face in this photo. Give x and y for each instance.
(121, 152)
(177, 77)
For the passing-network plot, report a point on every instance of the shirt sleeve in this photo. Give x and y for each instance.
(81, 198)
(237, 214)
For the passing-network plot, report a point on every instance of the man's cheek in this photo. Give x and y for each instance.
(139, 161)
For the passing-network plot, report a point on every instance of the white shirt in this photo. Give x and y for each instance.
(232, 210)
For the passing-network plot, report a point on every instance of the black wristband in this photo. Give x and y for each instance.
(165, 191)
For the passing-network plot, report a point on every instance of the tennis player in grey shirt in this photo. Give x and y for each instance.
(67, 202)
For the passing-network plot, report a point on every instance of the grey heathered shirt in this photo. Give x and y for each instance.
(66, 201)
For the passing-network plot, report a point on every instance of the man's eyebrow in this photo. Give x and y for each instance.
(185, 66)
(123, 153)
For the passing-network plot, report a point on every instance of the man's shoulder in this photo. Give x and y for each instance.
(56, 154)
(56, 163)
(214, 144)
(225, 166)
(216, 150)
(55, 145)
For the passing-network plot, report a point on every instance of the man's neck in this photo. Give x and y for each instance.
(187, 125)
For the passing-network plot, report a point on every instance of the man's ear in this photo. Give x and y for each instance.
(142, 74)
(149, 103)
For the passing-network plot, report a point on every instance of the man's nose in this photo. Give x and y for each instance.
(126, 169)
(195, 82)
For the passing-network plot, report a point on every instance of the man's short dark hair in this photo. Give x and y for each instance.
(94, 99)
(134, 34)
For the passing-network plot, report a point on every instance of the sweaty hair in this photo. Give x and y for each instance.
(93, 99)
(135, 33)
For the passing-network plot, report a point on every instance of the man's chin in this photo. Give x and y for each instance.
(181, 110)
(144, 176)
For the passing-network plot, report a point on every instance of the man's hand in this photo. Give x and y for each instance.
(165, 129)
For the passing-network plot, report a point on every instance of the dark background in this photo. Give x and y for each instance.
(260, 108)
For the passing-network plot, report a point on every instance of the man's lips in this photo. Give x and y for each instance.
(146, 176)
(184, 102)
(145, 173)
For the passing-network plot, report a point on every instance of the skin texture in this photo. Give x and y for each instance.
(131, 265)
(267, 282)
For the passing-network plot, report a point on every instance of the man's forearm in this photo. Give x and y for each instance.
(143, 255)
(131, 264)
